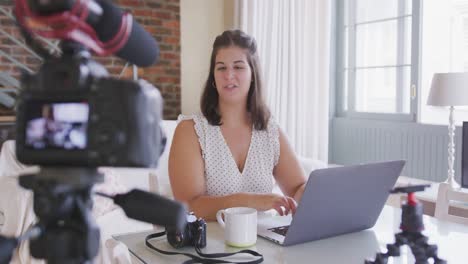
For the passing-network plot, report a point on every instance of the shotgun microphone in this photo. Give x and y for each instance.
(97, 24)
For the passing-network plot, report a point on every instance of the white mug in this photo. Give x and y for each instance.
(240, 226)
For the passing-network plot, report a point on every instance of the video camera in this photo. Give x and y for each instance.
(72, 117)
(71, 113)
(68, 116)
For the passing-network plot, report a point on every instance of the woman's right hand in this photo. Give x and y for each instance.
(282, 204)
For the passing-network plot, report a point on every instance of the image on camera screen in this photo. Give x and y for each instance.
(57, 125)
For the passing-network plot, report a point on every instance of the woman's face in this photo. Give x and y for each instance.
(232, 74)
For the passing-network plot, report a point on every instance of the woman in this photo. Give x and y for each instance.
(228, 155)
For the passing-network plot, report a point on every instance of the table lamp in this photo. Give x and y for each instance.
(449, 89)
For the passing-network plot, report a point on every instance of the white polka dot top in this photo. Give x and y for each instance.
(221, 172)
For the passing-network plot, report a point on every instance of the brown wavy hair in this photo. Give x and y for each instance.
(256, 106)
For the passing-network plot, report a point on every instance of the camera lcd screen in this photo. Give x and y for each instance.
(60, 125)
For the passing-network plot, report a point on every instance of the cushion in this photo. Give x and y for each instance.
(9, 165)
(153, 179)
(309, 165)
(159, 179)
(18, 215)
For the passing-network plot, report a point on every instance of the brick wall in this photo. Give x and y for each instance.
(161, 18)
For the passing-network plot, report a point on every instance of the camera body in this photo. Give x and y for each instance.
(71, 114)
(194, 234)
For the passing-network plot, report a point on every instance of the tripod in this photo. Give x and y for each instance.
(66, 231)
(411, 226)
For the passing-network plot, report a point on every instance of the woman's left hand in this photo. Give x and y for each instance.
(282, 204)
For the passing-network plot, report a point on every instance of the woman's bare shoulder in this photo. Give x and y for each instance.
(185, 131)
(185, 127)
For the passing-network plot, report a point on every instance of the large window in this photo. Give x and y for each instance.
(376, 66)
(388, 51)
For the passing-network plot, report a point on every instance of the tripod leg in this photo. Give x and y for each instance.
(431, 252)
(423, 251)
(393, 250)
(437, 260)
(380, 258)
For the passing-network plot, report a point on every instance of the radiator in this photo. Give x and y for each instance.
(423, 146)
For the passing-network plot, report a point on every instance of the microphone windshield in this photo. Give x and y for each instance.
(140, 49)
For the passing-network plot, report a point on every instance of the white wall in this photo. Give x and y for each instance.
(201, 21)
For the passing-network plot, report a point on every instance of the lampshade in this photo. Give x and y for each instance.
(449, 89)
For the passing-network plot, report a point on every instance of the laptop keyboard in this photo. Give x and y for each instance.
(282, 230)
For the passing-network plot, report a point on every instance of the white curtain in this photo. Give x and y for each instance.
(293, 38)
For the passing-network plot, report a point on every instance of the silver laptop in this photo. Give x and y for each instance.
(335, 201)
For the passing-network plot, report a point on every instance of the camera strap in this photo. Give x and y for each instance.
(204, 258)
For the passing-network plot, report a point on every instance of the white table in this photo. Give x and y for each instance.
(451, 238)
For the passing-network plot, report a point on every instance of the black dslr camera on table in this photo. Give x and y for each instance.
(72, 117)
(194, 234)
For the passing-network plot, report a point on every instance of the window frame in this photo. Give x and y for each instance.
(415, 62)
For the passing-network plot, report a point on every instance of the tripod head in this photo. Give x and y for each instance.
(412, 210)
(63, 207)
(410, 190)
